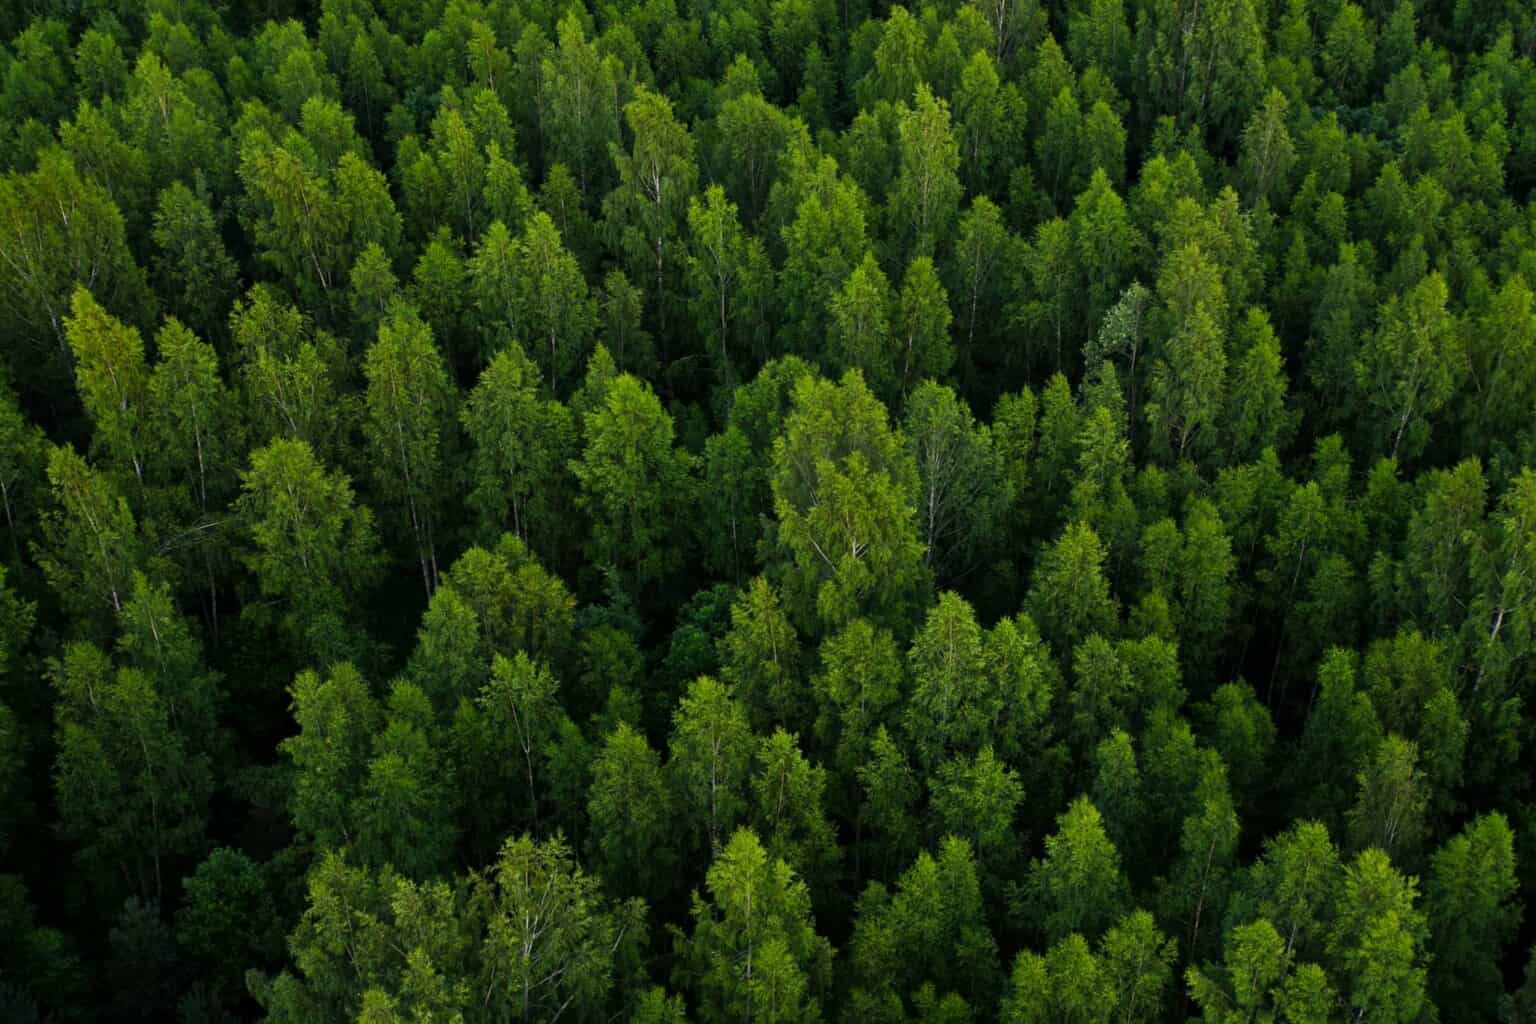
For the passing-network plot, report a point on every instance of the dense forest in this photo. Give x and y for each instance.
(768, 511)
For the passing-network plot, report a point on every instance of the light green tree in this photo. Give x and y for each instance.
(1078, 885)
(633, 482)
(843, 492)
(521, 442)
(754, 951)
(410, 406)
(312, 548)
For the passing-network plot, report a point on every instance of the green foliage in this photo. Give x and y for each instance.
(409, 408)
(630, 808)
(932, 930)
(1069, 595)
(979, 469)
(843, 488)
(531, 288)
(61, 230)
(632, 480)
(760, 655)
(521, 443)
(754, 949)
(312, 548)
(528, 935)
(1472, 917)
(1077, 886)
(709, 756)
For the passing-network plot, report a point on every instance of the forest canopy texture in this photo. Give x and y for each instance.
(768, 511)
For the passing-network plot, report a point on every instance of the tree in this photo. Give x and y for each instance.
(989, 122)
(964, 492)
(843, 493)
(1247, 982)
(1256, 400)
(130, 793)
(409, 396)
(920, 322)
(1207, 852)
(788, 798)
(312, 548)
(931, 930)
(630, 810)
(227, 917)
(754, 953)
(861, 336)
(622, 305)
(1193, 571)
(532, 288)
(972, 686)
(405, 812)
(752, 136)
(449, 663)
(1295, 885)
(898, 65)
(824, 240)
(1499, 374)
(1409, 368)
(1341, 732)
(1015, 27)
(1098, 34)
(1117, 788)
(508, 601)
(191, 257)
(91, 545)
(976, 274)
(528, 938)
(1068, 595)
(1389, 813)
(112, 378)
(337, 717)
(760, 656)
(580, 104)
(60, 230)
(1268, 155)
(1077, 886)
(522, 442)
(308, 213)
(1201, 63)
(23, 471)
(464, 178)
(1349, 51)
(649, 207)
(288, 372)
(1506, 570)
(522, 707)
(1137, 960)
(978, 799)
(856, 690)
(553, 934)
(1050, 276)
(193, 422)
(709, 756)
(1188, 378)
(1243, 733)
(729, 279)
(633, 480)
(1472, 915)
(926, 194)
(734, 495)
(1066, 984)
(1378, 940)
(1108, 247)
